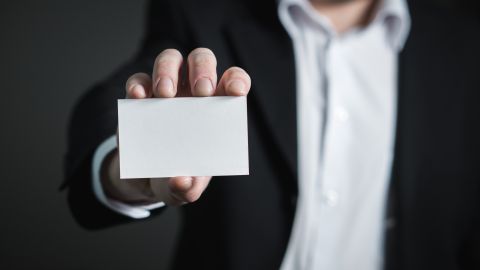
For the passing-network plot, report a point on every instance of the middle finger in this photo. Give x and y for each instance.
(202, 72)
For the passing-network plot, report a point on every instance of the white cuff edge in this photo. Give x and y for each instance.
(138, 211)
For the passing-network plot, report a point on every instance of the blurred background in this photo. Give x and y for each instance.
(50, 53)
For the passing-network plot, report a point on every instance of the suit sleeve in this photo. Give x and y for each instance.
(94, 117)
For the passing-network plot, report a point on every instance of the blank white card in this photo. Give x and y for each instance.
(164, 137)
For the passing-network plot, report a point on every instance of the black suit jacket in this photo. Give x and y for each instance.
(244, 222)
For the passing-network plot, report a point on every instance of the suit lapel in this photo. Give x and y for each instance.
(257, 42)
(266, 52)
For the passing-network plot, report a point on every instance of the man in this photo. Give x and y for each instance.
(363, 135)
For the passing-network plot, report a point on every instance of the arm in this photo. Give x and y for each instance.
(95, 120)
(102, 154)
(94, 117)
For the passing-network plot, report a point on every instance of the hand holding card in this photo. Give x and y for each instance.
(157, 135)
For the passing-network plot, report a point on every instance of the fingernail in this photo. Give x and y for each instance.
(237, 86)
(203, 87)
(138, 92)
(165, 87)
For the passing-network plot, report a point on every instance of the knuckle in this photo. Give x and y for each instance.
(168, 57)
(129, 90)
(235, 70)
(191, 196)
(175, 186)
(137, 78)
(201, 50)
(202, 57)
(179, 185)
(128, 84)
(201, 60)
(171, 52)
(162, 61)
(132, 79)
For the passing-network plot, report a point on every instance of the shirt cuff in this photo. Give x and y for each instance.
(133, 211)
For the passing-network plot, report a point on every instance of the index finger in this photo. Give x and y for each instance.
(139, 85)
(166, 73)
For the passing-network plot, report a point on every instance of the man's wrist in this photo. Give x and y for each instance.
(130, 191)
(99, 162)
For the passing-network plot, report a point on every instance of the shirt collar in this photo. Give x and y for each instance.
(393, 13)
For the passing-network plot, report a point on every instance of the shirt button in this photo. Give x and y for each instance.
(342, 114)
(330, 198)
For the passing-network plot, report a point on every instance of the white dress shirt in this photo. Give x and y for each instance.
(133, 211)
(346, 109)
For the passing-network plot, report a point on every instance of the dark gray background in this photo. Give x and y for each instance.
(50, 53)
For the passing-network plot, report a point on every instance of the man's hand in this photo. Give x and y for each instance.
(166, 82)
